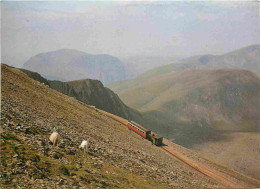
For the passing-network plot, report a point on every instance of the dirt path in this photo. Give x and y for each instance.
(224, 178)
(117, 118)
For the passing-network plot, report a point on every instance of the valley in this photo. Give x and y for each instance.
(203, 106)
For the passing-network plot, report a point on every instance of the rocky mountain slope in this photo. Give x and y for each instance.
(245, 58)
(117, 157)
(68, 64)
(93, 93)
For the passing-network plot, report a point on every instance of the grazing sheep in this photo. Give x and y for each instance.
(54, 138)
(84, 145)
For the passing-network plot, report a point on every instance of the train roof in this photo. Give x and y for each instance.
(140, 126)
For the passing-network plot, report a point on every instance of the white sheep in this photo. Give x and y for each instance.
(84, 145)
(54, 138)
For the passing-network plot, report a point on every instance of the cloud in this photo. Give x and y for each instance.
(206, 17)
(125, 28)
(236, 4)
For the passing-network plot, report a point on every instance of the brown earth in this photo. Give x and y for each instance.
(117, 157)
(219, 173)
(241, 147)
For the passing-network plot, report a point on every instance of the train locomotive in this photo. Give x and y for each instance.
(147, 134)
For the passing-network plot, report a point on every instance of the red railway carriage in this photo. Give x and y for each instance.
(138, 129)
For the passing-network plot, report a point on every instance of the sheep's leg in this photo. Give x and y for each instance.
(87, 148)
(54, 142)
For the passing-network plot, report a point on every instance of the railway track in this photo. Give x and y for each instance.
(221, 178)
(225, 179)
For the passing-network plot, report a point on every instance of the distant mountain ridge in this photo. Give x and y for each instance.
(245, 58)
(137, 65)
(68, 64)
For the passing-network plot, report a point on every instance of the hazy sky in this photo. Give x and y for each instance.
(122, 29)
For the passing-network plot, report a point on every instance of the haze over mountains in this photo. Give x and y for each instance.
(244, 58)
(137, 65)
(68, 64)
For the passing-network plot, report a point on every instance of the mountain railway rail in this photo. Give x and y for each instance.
(224, 178)
(220, 177)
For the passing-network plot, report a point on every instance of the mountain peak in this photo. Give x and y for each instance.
(69, 64)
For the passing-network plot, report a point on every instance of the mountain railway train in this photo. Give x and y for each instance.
(139, 129)
(147, 134)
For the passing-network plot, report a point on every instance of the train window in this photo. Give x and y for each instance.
(136, 127)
